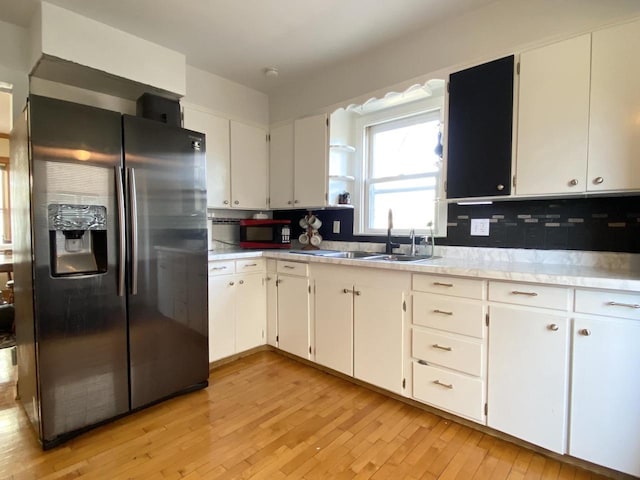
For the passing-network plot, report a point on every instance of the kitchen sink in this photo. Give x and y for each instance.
(399, 257)
(356, 254)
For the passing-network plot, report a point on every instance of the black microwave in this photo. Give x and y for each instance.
(265, 233)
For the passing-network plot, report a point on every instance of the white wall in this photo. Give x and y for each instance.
(226, 98)
(72, 37)
(500, 28)
(13, 62)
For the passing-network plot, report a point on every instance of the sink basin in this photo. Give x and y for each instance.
(356, 254)
(398, 257)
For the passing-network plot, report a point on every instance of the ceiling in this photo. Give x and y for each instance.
(238, 39)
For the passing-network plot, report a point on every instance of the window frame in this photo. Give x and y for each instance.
(403, 113)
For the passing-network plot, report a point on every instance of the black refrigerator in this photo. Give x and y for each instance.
(110, 264)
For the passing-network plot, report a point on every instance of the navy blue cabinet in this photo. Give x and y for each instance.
(480, 128)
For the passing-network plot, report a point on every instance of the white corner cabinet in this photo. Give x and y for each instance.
(237, 160)
(299, 163)
(237, 307)
(578, 103)
(294, 307)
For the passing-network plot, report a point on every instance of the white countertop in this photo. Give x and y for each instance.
(621, 272)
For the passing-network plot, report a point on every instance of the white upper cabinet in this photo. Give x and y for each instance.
(281, 167)
(614, 128)
(311, 145)
(249, 166)
(216, 130)
(553, 118)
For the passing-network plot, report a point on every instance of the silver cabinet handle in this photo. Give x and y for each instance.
(289, 202)
(357, 292)
(226, 202)
(346, 290)
(585, 331)
(122, 234)
(218, 268)
(442, 312)
(296, 201)
(598, 180)
(232, 283)
(528, 294)
(573, 182)
(553, 327)
(439, 284)
(133, 212)
(628, 305)
(236, 202)
(500, 187)
(289, 267)
(241, 282)
(448, 349)
(445, 385)
(250, 265)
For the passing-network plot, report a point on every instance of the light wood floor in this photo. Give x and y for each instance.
(269, 417)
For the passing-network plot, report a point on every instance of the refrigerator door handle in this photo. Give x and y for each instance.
(122, 235)
(133, 212)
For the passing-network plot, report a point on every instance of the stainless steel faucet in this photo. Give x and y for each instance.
(412, 236)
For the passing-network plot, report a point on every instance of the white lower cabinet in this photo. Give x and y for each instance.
(448, 344)
(293, 308)
(605, 394)
(237, 307)
(272, 303)
(359, 323)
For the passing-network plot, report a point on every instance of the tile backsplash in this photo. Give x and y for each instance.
(595, 224)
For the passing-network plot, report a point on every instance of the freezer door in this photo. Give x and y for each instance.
(80, 321)
(166, 181)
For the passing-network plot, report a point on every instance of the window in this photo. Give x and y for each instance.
(402, 172)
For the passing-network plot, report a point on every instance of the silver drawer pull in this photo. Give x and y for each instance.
(440, 284)
(289, 267)
(445, 385)
(422, 362)
(442, 312)
(553, 327)
(528, 294)
(218, 268)
(346, 290)
(357, 292)
(585, 331)
(448, 349)
(630, 305)
(250, 265)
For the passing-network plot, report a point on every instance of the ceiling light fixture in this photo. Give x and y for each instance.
(271, 72)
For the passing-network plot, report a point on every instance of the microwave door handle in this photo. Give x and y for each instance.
(122, 236)
(133, 212)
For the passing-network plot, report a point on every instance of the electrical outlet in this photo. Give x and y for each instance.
(480, 227)
(336, 226)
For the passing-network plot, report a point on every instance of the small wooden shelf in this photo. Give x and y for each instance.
(343, 148)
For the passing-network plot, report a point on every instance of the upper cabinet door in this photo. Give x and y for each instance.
(249, 166)
(311, 143)
(480, 130)
(281, 167)
(553, 118)
(614, 129)
(216, 130)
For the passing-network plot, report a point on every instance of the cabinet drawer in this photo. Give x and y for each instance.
(611, 304)
(292, 268)
(458, 287)
(531, 295)
(447, 351)
(250, 265)
(222, 268)
(465, 317)
(450, 391)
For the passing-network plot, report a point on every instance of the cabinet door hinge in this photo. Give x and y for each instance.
(309, 349)
(404, 305)
(486, 319)
(327, 121)
(263, 334)
(277, 338)
(514, 181)
(486, 409)
(326, 197)
(404, 383)
(445, 186)
(268, 137)
(518, 68)
(448, 87)
(309, 288)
